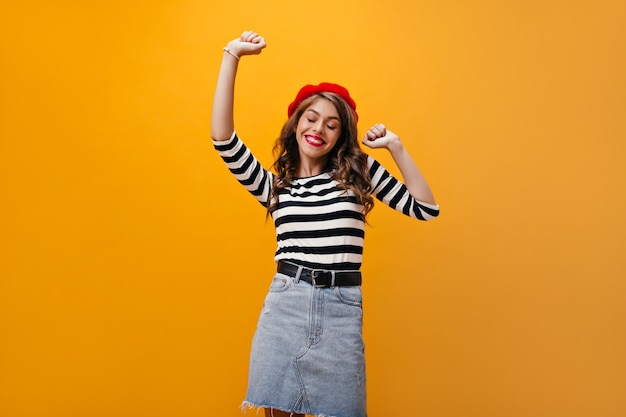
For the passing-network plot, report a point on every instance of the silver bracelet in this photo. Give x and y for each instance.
(232, 53)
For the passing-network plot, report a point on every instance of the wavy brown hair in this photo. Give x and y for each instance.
(346, 163)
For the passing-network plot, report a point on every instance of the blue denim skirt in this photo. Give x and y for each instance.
(307, 352)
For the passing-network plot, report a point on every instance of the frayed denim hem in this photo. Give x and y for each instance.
(245, 406)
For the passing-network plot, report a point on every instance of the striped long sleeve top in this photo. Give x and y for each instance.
(318, 224)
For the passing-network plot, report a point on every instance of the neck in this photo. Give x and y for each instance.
(310, 168)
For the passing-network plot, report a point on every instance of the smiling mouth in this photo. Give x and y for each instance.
(314, 140)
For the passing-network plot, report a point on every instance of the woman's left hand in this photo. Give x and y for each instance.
(378, 136)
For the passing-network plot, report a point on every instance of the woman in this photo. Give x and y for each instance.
(307, 353)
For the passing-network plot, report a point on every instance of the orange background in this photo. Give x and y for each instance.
(134, 266)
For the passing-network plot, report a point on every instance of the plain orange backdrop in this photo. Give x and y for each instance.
(134, 266)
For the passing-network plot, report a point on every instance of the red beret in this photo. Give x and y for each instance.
(309, 90)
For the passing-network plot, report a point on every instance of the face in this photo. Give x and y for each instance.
(318, 131)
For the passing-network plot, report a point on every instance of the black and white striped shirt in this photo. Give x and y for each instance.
(318, 224)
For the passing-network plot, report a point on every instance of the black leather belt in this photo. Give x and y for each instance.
(320, 277)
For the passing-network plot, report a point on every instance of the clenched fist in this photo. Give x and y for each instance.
(378, 136)
(249, 43)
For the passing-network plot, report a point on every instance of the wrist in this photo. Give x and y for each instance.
(395, 145)
(233, 53)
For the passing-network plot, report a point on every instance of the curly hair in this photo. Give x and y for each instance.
(346, 163)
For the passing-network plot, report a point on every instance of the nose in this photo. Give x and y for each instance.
(319, 126)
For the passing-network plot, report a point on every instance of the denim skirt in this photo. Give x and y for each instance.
(307, 352)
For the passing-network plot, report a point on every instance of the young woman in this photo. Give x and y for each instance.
(307, 353)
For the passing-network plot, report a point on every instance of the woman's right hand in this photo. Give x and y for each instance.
(249, 43)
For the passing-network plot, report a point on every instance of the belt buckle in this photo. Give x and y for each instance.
(321, 278)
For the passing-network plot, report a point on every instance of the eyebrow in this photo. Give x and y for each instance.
(318, 113)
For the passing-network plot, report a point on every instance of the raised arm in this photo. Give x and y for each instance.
(378, 136)
(222, 120)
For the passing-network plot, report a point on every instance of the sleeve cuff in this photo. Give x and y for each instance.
(429, 205)
(225, 142)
